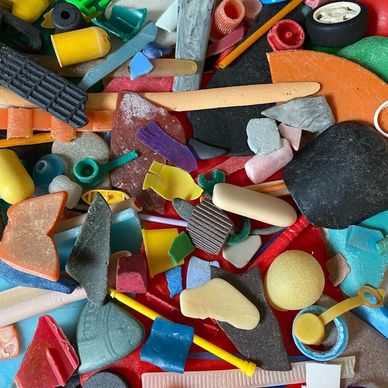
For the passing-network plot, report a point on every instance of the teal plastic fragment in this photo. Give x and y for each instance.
(360, 239)
(89, 7)
(382, 246)
(217, 176)
(89, 173)
(180, 248)
(124, 22)
(119, 57)
(243, 235)
(183, 208)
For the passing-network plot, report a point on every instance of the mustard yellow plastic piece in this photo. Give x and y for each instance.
(29, 10)
(15, 183)
(47, 20)
(309, 328)
(157, 243)
(245, 366)
(40, 138)
(81, 45)
(171, 182)
(111, 197)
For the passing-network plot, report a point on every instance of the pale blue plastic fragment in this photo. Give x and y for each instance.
(119, 57)
(174, 280)
(360, 239)
(139, 66)
(198, 272)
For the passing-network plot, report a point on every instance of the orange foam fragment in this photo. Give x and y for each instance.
(353, 92)
(20, 123)
(26, 244)
(9, 342)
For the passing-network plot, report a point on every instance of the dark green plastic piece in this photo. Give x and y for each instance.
(207, 185)
(180, 248)
(243, 235)
(124, 22)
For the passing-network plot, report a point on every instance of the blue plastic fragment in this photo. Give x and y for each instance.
(198, 272)
(18, 278)
(360, 239)
(139, 66)
(46, 169)
(174, 280)
(168, 345)
(155, 50)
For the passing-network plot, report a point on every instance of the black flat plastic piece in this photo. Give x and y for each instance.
(67, 17)
(24, 36)
(42, 88)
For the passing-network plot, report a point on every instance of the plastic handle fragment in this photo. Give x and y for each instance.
(309, 328)
(245, 366)
(89, 172)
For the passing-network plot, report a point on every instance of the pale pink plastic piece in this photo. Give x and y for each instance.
(252, 10)
(292, 134)
(261, 167)
(227, 17)
(316, 3)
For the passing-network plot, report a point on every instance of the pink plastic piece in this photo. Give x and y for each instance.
(112, 269)
(226, 42)
(292, 134)
(261, 167)
(131, 274)
(50, 359)
(227, 17)
(140, 85)
(252, 10)
(286, 35)
(233, 164)
(316, 3)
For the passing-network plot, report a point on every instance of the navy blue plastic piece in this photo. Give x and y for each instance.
(168, 345)
(155, 50)
(46, 169)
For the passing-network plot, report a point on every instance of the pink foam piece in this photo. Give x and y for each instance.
(252, 10)
(226, 42)
(131, 275)
(233, 164)
(261, 167)
(112, 268)
(316, 3)
(140, 85)
(292, 134)
(227, 17)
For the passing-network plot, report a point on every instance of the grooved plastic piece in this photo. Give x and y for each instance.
(42, 88)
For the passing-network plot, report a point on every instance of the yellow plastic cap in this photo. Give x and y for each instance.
(309, 329)
(29, 10)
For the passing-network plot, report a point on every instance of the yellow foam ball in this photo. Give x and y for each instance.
(294, 280)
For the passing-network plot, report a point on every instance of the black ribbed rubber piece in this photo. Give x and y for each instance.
(42, 88)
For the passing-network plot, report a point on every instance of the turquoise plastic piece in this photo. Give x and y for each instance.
(168, 345)
(360, 239)
(382, 246)
(120, 56)
(124, 22)
(89, 173)
(90, 7)
(217, 176)
(46, 169)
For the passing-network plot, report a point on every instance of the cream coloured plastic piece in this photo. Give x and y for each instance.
(217, 299)
(193, 100)
(20, 303)
(254, 205)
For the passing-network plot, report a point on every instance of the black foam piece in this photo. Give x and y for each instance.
(89, 259)
(263, 345)
(42, 88)
(226, 127)
(67, 17)
(340, 178)
(106, 379)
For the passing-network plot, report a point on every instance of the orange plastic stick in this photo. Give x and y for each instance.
(258, 34)
(35, 139)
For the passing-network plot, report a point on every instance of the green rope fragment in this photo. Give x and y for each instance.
(243, 235)
(207, 185)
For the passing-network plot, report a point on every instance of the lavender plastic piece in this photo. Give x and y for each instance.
(165, 145)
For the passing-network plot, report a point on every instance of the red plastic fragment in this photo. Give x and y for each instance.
(140, 85)
(50, 359)
(286, 35)
(131, 275)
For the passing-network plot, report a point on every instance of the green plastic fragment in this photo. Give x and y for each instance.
(243, 235)
(124, 22)
(328, 50)
(382, 246)
(90, 7)
(180, 248)
(183, 208)
(371, 53)
(207, 185)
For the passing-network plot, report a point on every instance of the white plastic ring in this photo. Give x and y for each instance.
(376, 118)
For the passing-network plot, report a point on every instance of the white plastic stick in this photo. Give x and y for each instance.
(163, 220)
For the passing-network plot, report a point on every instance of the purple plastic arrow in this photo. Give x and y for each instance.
(165, 145)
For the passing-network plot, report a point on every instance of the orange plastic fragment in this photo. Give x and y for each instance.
(20, 123)
(26, 244)
(9, 342)
(353, 92)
